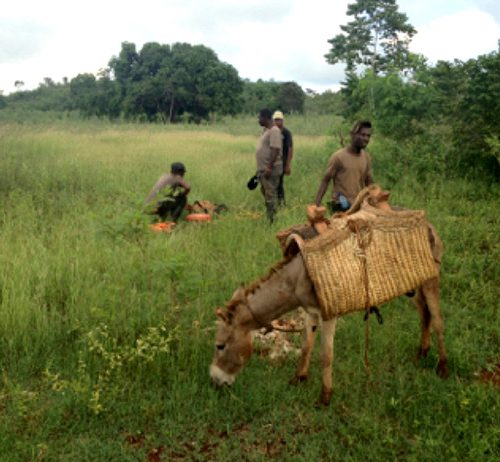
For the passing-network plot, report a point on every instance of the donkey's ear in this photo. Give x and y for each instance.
(239, 293)
(222, 315)
(384, 196)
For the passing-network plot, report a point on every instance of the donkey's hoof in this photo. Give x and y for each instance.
(296, 379)
(422, 352)
(326, 396)
(442, 369)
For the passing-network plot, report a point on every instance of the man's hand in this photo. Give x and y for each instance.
(288, 170)
(268, 171)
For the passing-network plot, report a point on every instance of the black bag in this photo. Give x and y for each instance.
(253, 182)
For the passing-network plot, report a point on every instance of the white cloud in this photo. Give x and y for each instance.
(461, 36)
(20, 39)
(490, 6)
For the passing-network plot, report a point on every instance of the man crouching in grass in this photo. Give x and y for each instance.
(173, 190)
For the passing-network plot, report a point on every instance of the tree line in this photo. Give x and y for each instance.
(169, 83)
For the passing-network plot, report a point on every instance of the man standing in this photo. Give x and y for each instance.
(287, 153)
(269, 161)
(174, 190)
(349, 169)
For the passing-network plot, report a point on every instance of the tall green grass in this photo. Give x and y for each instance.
(106, 329)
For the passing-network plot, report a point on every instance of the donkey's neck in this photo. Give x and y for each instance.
(285, 290)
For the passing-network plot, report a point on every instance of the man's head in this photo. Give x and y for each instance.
(265, 118)
(177, 168)
(360, 134)
(278, 119)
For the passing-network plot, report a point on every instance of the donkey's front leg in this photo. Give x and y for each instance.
(327, 338)
(311, 324)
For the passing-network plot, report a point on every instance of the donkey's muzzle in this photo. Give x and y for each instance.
(219, 377)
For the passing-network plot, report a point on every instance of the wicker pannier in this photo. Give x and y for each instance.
(360, 263)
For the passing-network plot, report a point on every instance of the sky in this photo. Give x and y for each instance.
(283, 40)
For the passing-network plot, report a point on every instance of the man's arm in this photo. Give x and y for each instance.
(288, 168)
(331, 169)
(275, 148)
(269, 168)
(159, 185)
(322, 189)
(184, 185)
(369, 173)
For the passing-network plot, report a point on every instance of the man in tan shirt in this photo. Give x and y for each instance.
(269, 161)
(349, 169)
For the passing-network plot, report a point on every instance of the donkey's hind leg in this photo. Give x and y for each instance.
(430, 297)
(311, 324)
(425, 323)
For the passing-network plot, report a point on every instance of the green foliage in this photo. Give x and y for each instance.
(49, 96)
(377, 37)
(258, 95)
(401, 109)
(454, 105)
(163, 81)
(477, 117)
(328, 102)
(288, 97)
(105, 363)
(84, 93)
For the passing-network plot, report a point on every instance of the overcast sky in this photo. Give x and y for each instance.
(282, 40)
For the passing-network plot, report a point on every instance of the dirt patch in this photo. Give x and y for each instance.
(154, 454)
(491, 375)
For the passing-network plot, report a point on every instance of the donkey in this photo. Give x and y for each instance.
(287, 287)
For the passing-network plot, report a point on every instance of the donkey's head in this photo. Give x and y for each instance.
(233, 341)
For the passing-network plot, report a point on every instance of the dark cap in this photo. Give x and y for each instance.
(177, 167)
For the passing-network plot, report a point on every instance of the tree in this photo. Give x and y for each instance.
(163, 81)
(377, 38)
(286, 96)
(258, 95)
(476, 122)
(124, 65)
(403, 109)
(328, 102)
(83, 90)
(290, 97)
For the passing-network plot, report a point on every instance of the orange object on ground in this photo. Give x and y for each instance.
(198, 217)
(163, 227)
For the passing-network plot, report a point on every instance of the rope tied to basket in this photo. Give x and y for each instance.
(362, 236)
(363, 233)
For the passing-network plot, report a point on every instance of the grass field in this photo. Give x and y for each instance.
(107, 329)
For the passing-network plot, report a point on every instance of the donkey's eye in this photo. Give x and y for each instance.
(220, 347)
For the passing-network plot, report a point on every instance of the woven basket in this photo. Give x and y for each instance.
(362, 263)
